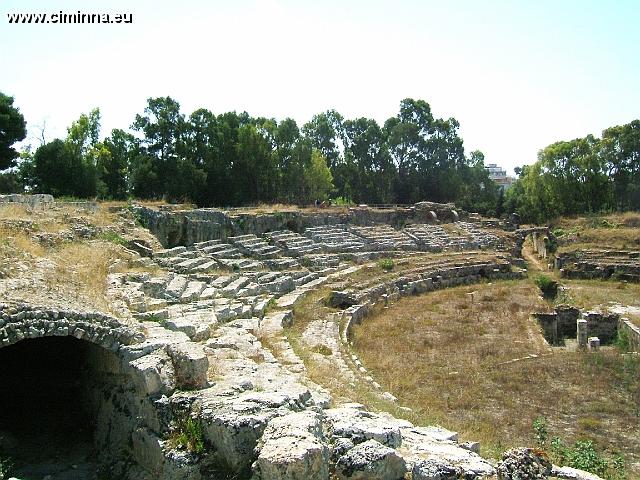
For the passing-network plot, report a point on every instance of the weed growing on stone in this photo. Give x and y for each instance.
(187, 434)
(322, 350)
(155, 318)
(271, 304)
(386, 264)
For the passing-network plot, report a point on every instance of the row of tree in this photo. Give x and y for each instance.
(584, 175)
(234, 159)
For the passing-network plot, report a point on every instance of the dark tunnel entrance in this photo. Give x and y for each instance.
(49, 406)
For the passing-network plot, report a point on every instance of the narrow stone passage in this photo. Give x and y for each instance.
(47, 418)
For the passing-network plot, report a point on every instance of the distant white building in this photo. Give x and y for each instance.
(499, 175)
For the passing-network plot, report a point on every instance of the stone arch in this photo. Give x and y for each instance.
(119, 372)
(538, 234)
(30, 323)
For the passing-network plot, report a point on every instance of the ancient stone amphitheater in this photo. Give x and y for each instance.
(197, 379)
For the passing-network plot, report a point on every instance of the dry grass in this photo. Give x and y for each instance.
(626, 219)
(262, 208)
(588, 294)
(617, 231)
(53, 219)
(81, 270)
(456, 352)
(60, 272)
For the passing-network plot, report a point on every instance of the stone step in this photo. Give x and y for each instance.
(268, 277)
(205, 267)
(218, 247)
(241, 238)
(208, 243)
(228, 253)
(192, 291)
(232, 288)
(282, 263)
(306, 279)
(191, 263)
(169, 252)
(175, 287)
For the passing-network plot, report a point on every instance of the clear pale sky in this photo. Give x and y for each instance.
(517, 74)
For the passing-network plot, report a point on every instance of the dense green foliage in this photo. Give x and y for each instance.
(582, 454)
(234, 159)
(581, 176)
(547, 286)
(13, 129)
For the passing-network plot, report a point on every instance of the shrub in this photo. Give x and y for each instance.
(551, 244)
(341, 202)
(583, 455)
(547, 286)
(540, 431)
(386, 264)
(622, 341)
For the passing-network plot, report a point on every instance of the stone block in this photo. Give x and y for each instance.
(371, 461)
(154, 374)
(190, 363)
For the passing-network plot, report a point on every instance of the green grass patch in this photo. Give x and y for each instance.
(187, 434)
(113, 237)
(386, 264)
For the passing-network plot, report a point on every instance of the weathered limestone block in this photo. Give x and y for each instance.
(197, 327)
(180, 465)
(360, 425)
(519, 463)
(154, 374)
(176, 286)
(371, 461)
(235, 435)
(573, 474)
(435, 470)
(440, 445)
(29, 200)
(190, 363)
(147, 450)
(292, 449)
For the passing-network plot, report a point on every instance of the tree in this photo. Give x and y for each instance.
(318, 179)
(10, 182)
(82, 143)
(620, 151)
(254, 171)
(13, 129)
(367, 165)
(56, 170)
(163, 127)
(115, 160)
